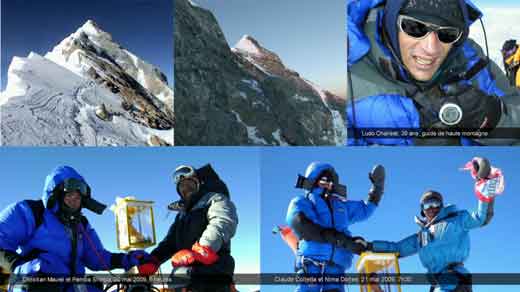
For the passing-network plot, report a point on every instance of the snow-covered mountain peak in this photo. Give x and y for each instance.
(87, 91)
(250, 45)
(193, 3)
(90, 49)
(91, 29)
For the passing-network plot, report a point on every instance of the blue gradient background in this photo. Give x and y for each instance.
(144, 27)
(410, 171)
(498, 3)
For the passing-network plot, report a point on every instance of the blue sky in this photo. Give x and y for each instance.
(494, 248)
(498, 3)
(144, 27)
(146, 174)
(308, 35)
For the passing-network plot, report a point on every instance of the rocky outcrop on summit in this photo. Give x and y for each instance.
(91, 52)
(244, 95)
(87, 91)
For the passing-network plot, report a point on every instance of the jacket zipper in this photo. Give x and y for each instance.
(74, 251)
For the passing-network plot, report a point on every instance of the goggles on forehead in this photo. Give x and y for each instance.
(72, 184)
(431, 204)
(419, 29)
(183, 172)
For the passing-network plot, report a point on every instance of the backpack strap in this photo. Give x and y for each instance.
(37, 210)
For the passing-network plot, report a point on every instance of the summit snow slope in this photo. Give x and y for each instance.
(86, 91)
(55, 107)
(72, 53)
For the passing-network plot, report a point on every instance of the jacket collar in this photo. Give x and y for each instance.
(445, 213)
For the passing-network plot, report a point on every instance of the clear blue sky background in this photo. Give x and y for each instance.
(308, 35)
(410, 172)
(146, 174)
(497, 3)
(144, 27)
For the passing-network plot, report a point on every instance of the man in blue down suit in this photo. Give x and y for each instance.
(320, 218)
(51, 237)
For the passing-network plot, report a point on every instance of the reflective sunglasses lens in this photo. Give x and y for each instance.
(448, 35)
(431, 204)
(418, 29)
(414, 28)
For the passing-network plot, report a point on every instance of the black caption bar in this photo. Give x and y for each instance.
(284, 279)
(393, 133)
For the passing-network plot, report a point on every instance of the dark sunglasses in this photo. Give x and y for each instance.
(72, 184)
(419, 29)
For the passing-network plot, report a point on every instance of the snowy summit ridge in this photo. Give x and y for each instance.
(87, 91)
(72, 53)
(249, 44)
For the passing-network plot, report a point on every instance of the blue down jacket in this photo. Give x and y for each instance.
(340, 215)
(51, 238)
(443, 242)
(380, 86)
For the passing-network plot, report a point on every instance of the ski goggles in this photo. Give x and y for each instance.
(326, 180)
(431, 204)
(183, 172)
(419, 29)
(72, 184)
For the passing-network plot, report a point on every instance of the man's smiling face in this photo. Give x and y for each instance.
(423, 57)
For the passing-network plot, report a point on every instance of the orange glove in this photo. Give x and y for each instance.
(204, 254)
(149, 268)
(200, 253)
(183, 257)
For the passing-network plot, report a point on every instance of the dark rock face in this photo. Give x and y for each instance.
(244, 95)
(106, 72)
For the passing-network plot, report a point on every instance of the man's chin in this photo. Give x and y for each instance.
(432, 216)
(422, 76)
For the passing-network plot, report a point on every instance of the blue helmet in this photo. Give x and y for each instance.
(316, 169)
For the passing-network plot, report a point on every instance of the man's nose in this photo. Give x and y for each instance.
(431, 44)
(74, 195)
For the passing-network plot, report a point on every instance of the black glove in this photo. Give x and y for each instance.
(308, 230)
(362, 243)
(479, 110)
(356, 245)
(377, 177)
(331, 235)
